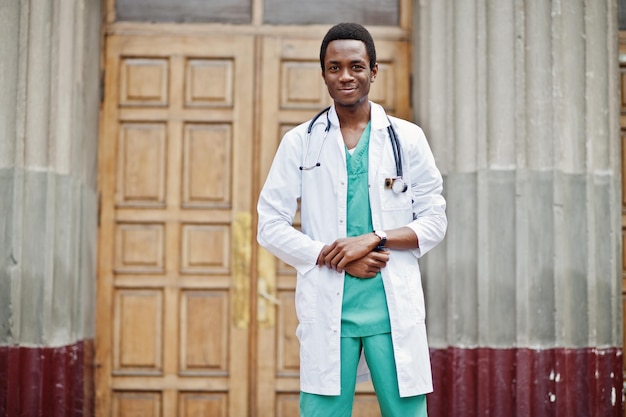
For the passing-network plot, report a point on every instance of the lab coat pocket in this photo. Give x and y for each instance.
(306, 296)
(389, 199)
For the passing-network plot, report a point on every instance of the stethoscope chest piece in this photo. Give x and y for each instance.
(397, 185)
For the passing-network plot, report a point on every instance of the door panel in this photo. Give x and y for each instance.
(174, 254)
(292, 92)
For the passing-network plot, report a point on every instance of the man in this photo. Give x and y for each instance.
(370, 206)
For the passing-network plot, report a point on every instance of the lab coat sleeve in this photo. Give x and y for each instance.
(429, 206)
(277, 206)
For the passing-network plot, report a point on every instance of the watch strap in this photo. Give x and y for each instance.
(383, 239)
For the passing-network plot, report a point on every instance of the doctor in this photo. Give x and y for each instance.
(370, 206)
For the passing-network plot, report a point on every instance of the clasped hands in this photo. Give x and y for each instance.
(355, 255)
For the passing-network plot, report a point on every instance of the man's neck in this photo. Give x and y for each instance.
(352, 122)
(352, 117)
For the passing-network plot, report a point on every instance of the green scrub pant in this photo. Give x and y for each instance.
(380, 360)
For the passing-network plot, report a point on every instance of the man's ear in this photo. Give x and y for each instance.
(373, 73)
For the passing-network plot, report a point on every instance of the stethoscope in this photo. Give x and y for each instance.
(396, 184)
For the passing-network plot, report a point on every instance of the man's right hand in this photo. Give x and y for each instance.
(369, 265)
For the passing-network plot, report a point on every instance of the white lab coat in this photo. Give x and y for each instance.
(322, 192)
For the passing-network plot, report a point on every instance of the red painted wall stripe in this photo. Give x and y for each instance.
(486, 382)
(483, 382)
(47, 382)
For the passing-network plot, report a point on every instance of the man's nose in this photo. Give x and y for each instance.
(345, 74)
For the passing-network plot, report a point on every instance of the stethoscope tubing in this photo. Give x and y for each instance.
(317, 116)
(395, 144)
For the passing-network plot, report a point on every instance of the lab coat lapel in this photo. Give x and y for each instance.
(377, 142)
(378, 138)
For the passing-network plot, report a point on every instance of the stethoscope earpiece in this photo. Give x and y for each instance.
(308, 139)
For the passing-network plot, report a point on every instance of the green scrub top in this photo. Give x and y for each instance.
(364, 308)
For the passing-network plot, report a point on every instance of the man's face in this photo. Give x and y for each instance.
(347, 72)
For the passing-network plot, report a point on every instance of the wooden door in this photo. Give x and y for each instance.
(292, 92)
(193, 317)
(175, 174)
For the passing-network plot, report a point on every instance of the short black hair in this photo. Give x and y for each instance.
(349, 31)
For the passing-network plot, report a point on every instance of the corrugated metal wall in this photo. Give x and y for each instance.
(49, 65)
(519, 99)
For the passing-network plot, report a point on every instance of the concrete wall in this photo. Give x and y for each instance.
(519, 100)
(49, 78)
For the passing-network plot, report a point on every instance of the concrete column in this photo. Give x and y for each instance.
(519, 101)
(49, 72)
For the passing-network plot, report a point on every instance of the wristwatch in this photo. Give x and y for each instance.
(383, 239)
